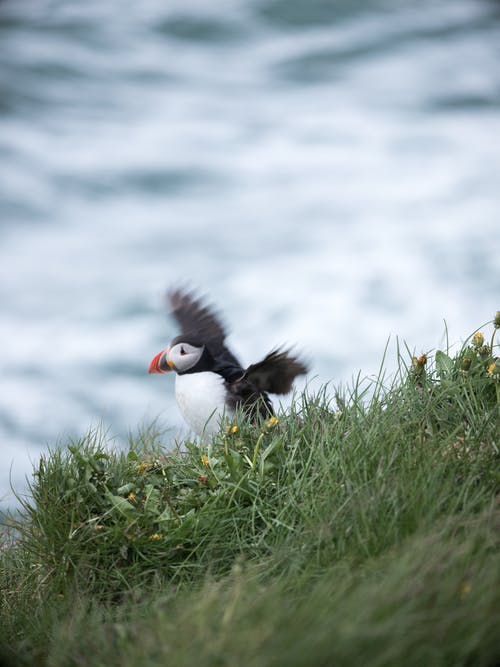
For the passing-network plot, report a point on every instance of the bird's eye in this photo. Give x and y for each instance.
(183, 351)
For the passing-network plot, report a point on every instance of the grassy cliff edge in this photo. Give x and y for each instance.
(361, 528)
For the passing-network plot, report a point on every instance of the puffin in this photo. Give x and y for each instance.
(210, 382)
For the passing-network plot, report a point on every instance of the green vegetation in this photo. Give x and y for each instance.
(357, 530)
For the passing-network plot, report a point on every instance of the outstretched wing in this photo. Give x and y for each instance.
(276, 372)
(199, 321)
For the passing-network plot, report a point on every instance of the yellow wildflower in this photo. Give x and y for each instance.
(478, 339)
(484, 351)
(131, 496)
(234, 429)
(465, 589)
(155, 536)
(494, 369)
(272, 421)
(465, 364)
(205, 460)
(142, 467)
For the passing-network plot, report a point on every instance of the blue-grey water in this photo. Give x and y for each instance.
(328, 172)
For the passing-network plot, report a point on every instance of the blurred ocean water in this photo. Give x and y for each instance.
(328, 172)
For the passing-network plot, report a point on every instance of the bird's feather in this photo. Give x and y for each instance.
(200, 322)
(242, 393)
(276, 372)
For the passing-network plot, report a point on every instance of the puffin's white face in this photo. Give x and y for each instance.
(183, 356)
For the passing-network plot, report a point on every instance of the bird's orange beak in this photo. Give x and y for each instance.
(160, 363)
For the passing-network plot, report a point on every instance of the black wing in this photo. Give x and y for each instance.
(199, 322)
(276, 372)
(242, 393)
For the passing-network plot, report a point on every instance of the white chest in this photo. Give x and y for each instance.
(201, 400)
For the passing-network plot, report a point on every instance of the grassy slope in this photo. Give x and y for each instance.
(357, 531)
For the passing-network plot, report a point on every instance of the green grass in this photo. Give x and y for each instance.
(359, 529)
